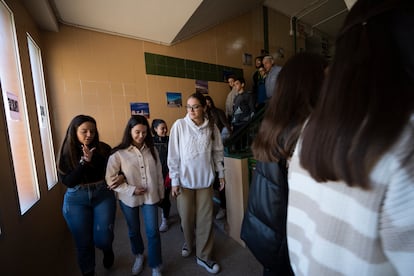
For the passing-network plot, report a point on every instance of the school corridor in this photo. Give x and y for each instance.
(232, 257)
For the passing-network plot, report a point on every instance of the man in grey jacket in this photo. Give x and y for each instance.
(272, 73)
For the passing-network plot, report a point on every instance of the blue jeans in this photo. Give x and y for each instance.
(90, 215)
(150, 214)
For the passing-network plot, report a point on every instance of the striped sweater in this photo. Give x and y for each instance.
(334, 229)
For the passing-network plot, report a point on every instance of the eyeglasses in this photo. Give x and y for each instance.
(192, 108)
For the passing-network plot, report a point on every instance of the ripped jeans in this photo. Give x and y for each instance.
(90, 215)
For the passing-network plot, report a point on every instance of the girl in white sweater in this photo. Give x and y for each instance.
(195, 152)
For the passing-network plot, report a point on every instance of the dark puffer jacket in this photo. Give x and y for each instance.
(264, 223)
(161, 144)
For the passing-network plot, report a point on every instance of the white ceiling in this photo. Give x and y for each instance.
(168, 22)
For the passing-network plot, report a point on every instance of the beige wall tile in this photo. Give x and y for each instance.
(104, 73)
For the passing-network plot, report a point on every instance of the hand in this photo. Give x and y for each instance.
(117, 180)
(160, 202)
(222, 183)
(175, 191)
(140, 190)
(87, 153)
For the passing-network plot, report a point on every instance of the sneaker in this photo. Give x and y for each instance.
(138, 264)
(185, 251)
(157, 271)
(108, 259)
(210, 266)
(164, 225)
(221, 213)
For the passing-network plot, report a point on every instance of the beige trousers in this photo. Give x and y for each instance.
(195, 207)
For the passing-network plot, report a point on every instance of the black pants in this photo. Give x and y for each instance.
(166, 203)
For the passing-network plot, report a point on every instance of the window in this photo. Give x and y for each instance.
(42, 112)
(14, 101)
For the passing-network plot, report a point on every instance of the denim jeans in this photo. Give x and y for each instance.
(150, 215)
(90, 215)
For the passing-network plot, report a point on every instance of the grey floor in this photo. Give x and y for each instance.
(233, 258)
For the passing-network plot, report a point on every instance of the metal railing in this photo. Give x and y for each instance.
(238, 144)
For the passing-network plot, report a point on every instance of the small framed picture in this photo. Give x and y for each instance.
(247, 59)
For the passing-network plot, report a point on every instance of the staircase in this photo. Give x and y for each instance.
(238, 144)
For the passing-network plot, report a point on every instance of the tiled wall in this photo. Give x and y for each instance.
(185, 68)
(100, 74)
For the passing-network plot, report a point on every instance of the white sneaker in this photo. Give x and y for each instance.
(185, 251)
(138, 264)
(210, 266)
(221, 213)
(157, 271)
(164, 225)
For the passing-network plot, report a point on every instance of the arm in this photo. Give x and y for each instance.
(72, 177)
(223, 119)
(397, 221)
(90, 170)
(252, 104)
(112, 175)
(174, 160)
(218, 154)
(174, 156)
(270, 82)
(229, 105)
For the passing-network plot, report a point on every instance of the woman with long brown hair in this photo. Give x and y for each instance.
(88, 206)
(359, 143)
(264, 223)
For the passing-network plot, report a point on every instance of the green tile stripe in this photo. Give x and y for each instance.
(185, 68)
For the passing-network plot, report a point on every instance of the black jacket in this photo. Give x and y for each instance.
(93, 171)
(161, 144)
(264, 223)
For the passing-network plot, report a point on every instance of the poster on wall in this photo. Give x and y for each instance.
(174, 99)
(140, 109)
(13, 100)
(247, 59)
(201, 86)
(42, 113)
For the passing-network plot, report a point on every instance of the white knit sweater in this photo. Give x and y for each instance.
(334, 229)
(193, 157)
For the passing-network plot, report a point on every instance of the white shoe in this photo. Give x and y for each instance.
(157, 271)
(138, 264)
(221, 213)
(164, 225)
(210, 266)
(185, 251)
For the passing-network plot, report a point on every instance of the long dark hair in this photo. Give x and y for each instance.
(127, 138)
(297, 91)
(71, 149)
(208, 98)
(155, 123)
(200, 97)
(368, 97)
